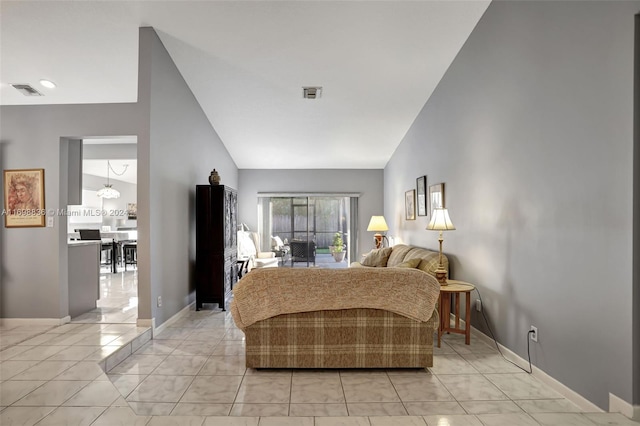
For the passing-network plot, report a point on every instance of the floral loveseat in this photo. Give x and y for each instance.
(349, 318)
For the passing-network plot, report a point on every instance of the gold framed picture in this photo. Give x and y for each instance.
(24, 198)
(410, 204)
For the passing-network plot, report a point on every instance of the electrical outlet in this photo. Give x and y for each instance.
(534, 335)
(478, 305)
(159, 301)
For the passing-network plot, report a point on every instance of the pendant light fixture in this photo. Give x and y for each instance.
(108, 191)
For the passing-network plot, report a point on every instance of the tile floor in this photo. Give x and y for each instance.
(118, 302)
(192, 373)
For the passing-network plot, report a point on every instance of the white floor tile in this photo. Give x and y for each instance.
(231, 421)
(342, 421)
(259, 410)
(194, 373)
(11, 391)
(376, 409)
(72, 416)
(547, 406)
(120, 416)
(562, 419)
(490, 407)
(151, 408)
(425, 408)
(23, 416)
(522, 386)
(318, 410)
(469, 387)
(185, 409)
(176, 421)
(53, 393)
(397, 421)
(95, 394)
(507, 420)
(287, 421)
(453, 420)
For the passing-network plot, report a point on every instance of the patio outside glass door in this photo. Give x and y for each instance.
(308, 225)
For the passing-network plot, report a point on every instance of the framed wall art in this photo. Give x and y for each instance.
(421, 196)
(24, 198)
(436, 196)
(410, 204)
(132, 210)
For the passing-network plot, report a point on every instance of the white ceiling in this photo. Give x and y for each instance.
(246, 63)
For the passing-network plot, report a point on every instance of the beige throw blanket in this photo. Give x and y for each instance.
(265, 293)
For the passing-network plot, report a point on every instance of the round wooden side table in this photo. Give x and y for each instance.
(454, 288)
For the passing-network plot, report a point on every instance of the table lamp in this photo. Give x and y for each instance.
(440, 221)
(377, 224)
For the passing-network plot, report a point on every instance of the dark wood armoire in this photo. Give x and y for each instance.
(216, 244)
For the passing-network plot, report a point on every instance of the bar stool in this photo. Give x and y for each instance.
(130, 254)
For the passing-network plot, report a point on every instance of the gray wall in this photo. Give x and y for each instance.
(367, 182)
(531, 129)
(177, 148)
(179, 152)
(111, 151)
(34, 260)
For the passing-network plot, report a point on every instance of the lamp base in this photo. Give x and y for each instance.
(377, 239)
(441, 276)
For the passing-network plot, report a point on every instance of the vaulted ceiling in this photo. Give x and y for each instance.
(246, 63)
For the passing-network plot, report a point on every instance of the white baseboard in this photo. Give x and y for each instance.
(619, 405)
(19, 322)
(181, 313)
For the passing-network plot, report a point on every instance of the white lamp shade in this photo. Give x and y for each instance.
(108, 192)
(377, 224)
(440, 221)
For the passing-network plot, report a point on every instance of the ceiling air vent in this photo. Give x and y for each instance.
(26, 90)
(311, 92)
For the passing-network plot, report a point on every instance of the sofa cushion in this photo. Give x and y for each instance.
(398, 254)
(429, 259)
(411, 263)
(377, 258)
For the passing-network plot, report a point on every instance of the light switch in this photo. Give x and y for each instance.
(50, 222)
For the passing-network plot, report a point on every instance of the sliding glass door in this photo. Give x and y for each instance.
(308, 225)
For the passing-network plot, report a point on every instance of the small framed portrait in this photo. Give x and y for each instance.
(410, 204)
(132, 210)
(421, 196)
(436, 196)
(24, 198)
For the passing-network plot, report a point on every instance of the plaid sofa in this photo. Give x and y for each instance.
(347, 338)
(349, 318)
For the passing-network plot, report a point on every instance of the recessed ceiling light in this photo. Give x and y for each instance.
(48, 84)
